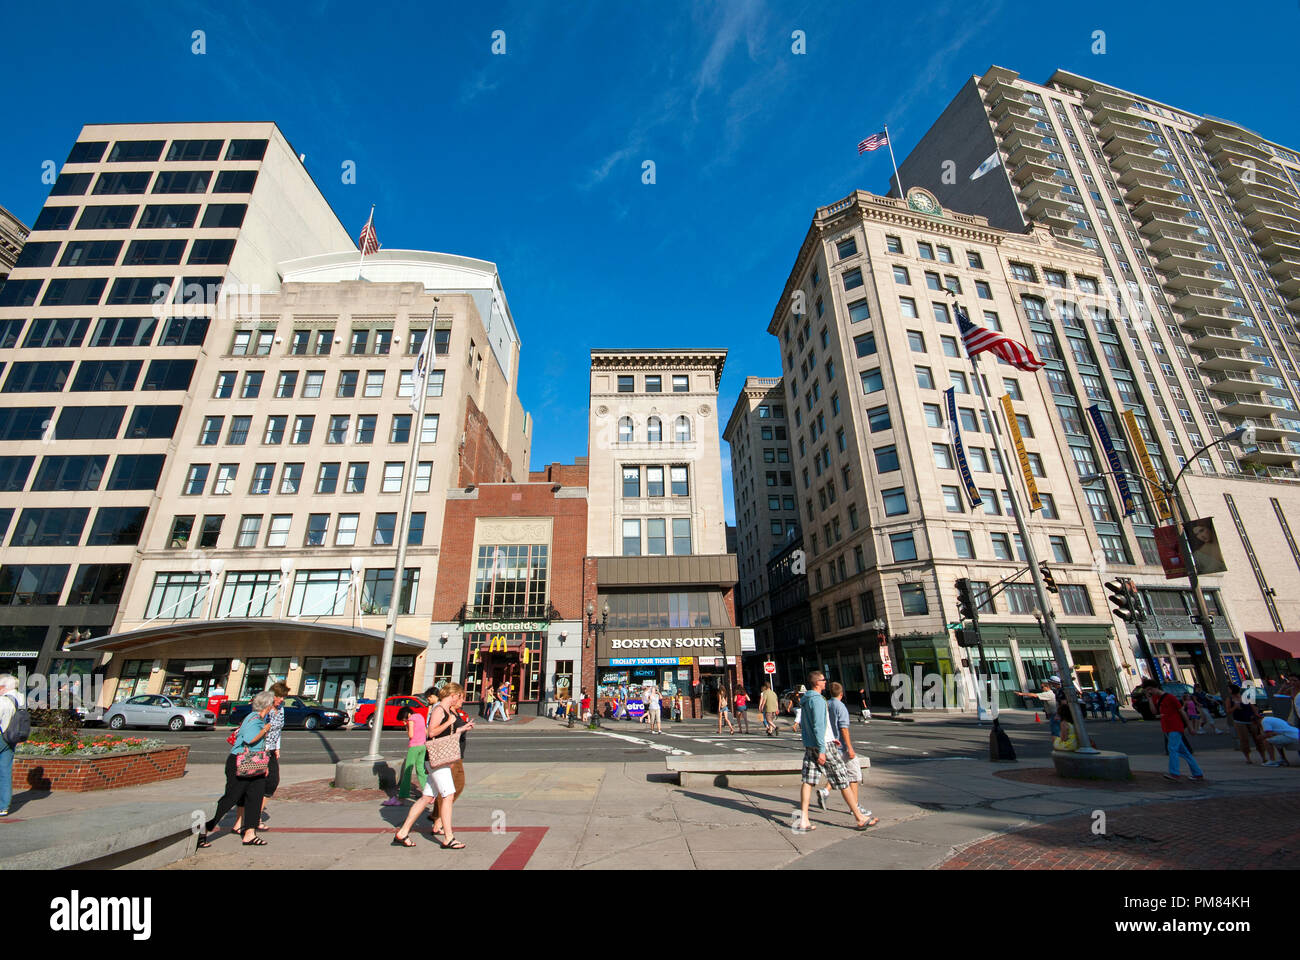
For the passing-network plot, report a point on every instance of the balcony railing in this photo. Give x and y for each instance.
(507, 611)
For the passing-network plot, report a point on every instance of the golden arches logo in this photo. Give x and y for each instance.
(500, 639)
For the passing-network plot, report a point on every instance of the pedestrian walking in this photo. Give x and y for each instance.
(442, 750)
(681, 706)
(274, 726)
(742, 709)
(413, 766)
(461, 729)
(586, 705)
(497, 706)
(1246, 721)
(866, 704)
(12, 710)
(796, 708)
(1112, 704)
(653, 708)
(489, 698)
(504, 694)
(1173, 723)
(838, 717)
(724, 712)
(768, 708)
(821, 754)
(246, 770)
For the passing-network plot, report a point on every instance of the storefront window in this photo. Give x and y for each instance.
(330, 680)
(262, 673)
(133, 679)
(494, 658)
(196, 678)
(658, 610)
(564, 679)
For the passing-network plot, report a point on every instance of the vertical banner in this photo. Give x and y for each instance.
(1014, 428)
(1171, 557)
(1112, 458)
(1144, 461)
(963, 468)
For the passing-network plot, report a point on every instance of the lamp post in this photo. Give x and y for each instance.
(882, 640)
(596, 629)
(1245, 436)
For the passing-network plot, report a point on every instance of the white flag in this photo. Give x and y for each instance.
(994, 160)
(420, 376)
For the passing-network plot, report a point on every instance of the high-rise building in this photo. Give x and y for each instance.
(762, 478)
(103, 326)
(13, 234)
(1197, 222)
(221, 511)
(656, 529)
(868, 348)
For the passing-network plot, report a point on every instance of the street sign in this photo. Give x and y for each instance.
(886, 665)
(769, 666)
(955, 626)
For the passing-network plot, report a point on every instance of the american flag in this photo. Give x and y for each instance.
(978, 339)
(369, 243)
(873, 142)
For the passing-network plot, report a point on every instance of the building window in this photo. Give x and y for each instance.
(250, 527)
(631, 538)
(385, 530)
(346, 534)
(319, 593)
(327, 478)
(317, 528)
(626, 384)
(913, 599)
(903, 546)
(872, 381)
(277, 534)
(177, 596)
(681, 536)
(377, 591)
(356, 482)
(511, 580)
(393, 473)
(626, 432)
(1075, 599)
(895, 501)
(965, 547)
(654, 384)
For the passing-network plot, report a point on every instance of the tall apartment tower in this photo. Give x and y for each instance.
(103, 326)
(868, 347)
(762, 478)
(656, 529)
(13, 234)
(1197, 222)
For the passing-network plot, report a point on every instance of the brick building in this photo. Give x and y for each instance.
(509, 598)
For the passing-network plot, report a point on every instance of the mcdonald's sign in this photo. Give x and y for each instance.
(497, 642)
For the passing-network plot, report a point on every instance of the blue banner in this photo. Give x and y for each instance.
(963, 468)
(1112, 458)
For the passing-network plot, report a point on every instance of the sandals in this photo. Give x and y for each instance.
(204, 841)
(255, 842)
(405, 841)
(867, 824)
(452, 844)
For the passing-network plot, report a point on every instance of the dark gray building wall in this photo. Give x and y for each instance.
(962, 134)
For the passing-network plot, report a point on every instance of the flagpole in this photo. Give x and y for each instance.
(362, 259)
(1049, 617)
(889, 142)
(403, 525)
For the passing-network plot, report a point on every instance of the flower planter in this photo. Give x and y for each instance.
(82, 774)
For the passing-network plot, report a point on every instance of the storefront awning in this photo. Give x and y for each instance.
(279, 630)
(1274, 645)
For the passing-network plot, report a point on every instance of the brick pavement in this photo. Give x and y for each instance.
(1227, 833)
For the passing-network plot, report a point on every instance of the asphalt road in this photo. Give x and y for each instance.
(883, 741)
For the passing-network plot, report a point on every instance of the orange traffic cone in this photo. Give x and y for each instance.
(1037, 718)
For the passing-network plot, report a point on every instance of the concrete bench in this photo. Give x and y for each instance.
(131, 836)
(735, 770)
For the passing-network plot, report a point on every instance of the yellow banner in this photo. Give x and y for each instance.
(1021, 455)
(1148, 469)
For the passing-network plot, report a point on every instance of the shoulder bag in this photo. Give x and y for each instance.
(252, 763)
(443, 750)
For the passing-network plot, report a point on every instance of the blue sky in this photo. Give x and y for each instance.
(534, 159)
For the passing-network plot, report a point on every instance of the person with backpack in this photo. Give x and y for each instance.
(15, 727)
(1174, 724)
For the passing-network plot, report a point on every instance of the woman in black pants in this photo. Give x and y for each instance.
(248, 790)
(275, 724)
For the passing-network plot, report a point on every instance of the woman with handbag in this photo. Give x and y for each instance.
(443, 751)
(246, 771)
(274, 727)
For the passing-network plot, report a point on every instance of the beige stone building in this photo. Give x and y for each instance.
(1197, 222)
(656, 530)
(13, 234)
(869, 346)
(762, 478)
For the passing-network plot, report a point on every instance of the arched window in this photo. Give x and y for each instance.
(654, 430)
(682, 431)
(625, 430)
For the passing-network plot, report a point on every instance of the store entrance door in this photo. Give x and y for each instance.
(1191, 657)
(498, 668)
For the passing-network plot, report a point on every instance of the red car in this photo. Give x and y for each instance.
(366, 711)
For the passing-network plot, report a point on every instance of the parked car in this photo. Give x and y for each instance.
(365, 715)
(158, 710)
(298, 712)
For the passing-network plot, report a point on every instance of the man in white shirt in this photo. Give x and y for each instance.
(1281, 734)
(11, 699)
(654, 708)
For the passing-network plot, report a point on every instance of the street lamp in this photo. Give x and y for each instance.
(882, 640)
(1245, 436)
(598, 629)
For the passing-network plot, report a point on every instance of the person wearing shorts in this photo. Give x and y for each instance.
(724, 712)
(768, 708)
(742, 709)
(654, 709)
(1245, 720)
(838, 723)
(821, 754)
(444, 717)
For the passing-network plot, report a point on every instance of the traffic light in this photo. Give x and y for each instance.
(967, 638)
(1123, 595)
(1049, 581)
(966, 608)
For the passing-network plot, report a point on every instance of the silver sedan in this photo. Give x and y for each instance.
(157, 710)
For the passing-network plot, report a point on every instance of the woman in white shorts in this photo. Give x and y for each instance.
(440, 782)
